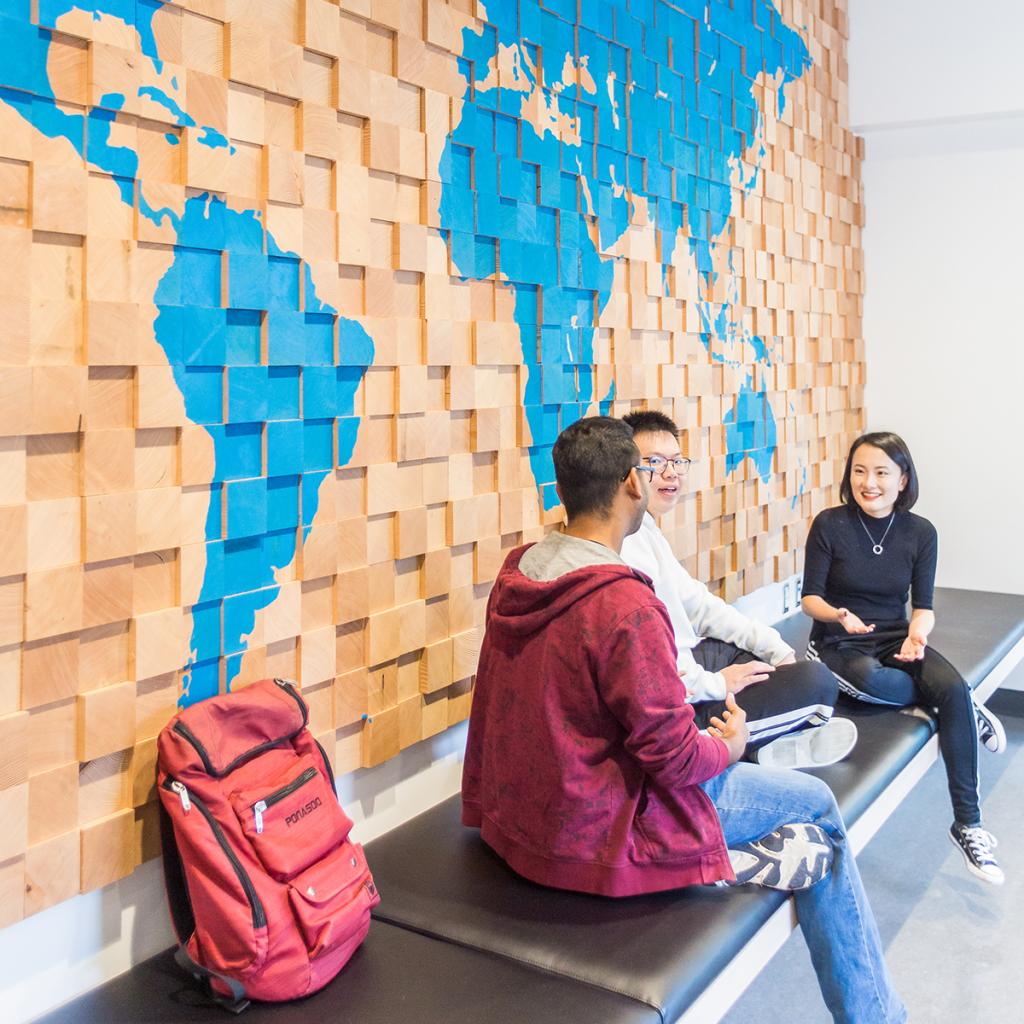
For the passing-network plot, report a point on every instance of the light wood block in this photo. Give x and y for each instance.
(52, 871)
(107, 850)
(14, 814)
(53, 802)
(380, 738)
(106, 720)
(13, 749)
(12, 891)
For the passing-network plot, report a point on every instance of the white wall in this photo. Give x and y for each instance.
(937, 92)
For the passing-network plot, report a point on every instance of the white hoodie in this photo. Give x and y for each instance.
(696, 613)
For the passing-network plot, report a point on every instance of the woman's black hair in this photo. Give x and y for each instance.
(896, 448)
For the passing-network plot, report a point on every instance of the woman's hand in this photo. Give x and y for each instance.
(851, 623)
(912, 649)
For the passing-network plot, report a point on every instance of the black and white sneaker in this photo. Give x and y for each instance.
(976, 844)
(791, 859)
(991, 734)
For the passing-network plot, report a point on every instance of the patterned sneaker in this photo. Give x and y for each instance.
(976, 844)
(792, 858)
(991, 734)
(810, 748)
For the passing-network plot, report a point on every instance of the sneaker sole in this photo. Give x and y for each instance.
(790, 859)
(973, 868)
(811, 748)
(996, 742)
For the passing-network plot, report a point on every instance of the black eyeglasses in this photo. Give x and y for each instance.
(642, 469)
(657, 465)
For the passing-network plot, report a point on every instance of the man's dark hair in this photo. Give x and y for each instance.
(650, 421)
(592, 457)
(896, 448)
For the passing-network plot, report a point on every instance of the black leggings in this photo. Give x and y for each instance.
(867, 671)
(796, 696)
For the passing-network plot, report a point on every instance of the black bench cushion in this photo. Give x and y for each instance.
(396, 976)
(439, 878)
(973, 629)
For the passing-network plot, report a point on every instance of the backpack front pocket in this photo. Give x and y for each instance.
(333, 899)
(294, 823)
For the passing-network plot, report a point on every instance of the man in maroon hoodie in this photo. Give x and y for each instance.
(584, 769)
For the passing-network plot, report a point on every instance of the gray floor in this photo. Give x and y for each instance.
(955, 946)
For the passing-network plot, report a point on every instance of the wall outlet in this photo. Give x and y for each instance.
(791, 589)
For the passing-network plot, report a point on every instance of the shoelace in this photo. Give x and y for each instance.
(980, 841)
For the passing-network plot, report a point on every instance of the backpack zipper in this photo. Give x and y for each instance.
(183, 730)
(189, 800)
(179, 788)
(268, 801)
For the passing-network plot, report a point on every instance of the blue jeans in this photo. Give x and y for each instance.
(835, 916)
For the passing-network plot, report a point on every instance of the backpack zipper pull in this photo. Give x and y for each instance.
(257, 812)
(179, 788)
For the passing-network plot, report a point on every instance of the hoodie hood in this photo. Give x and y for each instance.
(540, 582)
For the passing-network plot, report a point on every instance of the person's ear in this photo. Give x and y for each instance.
(903, 481)
(634, 486)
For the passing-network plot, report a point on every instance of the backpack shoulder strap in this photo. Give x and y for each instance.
(174, 880)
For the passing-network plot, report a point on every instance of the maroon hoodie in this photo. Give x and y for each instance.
(583, 762)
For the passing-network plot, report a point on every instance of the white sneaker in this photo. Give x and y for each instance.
(810, 748)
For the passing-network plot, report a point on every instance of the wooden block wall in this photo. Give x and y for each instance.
(316, 132)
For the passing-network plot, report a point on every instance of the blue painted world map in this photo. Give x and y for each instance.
(566, 130)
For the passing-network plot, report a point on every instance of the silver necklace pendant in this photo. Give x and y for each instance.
(876, 545)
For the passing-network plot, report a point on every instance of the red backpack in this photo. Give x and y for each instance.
(268, 896)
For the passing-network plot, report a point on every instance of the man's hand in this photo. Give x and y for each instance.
(731, 728)
(739, 677)
(912, 650)
(851, 623)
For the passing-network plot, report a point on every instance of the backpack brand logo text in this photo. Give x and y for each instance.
(302, 811)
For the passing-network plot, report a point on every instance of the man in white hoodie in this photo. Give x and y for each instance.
(788, 703)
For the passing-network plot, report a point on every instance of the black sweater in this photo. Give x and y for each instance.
(841, 568)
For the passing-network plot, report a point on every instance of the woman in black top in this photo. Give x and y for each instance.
(863, 559)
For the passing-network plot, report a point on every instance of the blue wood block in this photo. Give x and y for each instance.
(317, 445)
(284, 447)
(205, 394)
(318, 338)
(248, 280)
(214, 519)
(240, 452)
(247, 394)
(283, 502)
(311, 496)
(200, 272)
(241, 337)
(206, 617)
(283, 282)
